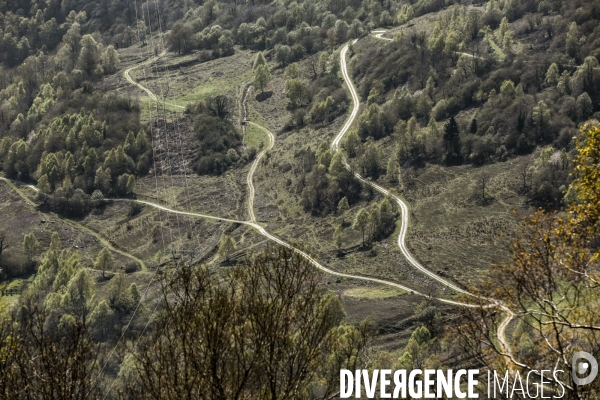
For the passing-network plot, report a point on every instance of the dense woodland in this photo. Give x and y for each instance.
(546, 84)
(490, 81)
(447, 98)
(230, 335)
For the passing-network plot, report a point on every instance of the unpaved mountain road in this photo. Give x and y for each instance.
(335, 147)
(127, 75)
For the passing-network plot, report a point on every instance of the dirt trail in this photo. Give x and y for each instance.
(501, 331)
(251, 191)
(335, 146)
(74, 224)
(127, 76)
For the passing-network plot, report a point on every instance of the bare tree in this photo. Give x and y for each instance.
(482, 182)
(550, 285)
(220, 106)
(524, 172)
(32, 356)
(268, 331)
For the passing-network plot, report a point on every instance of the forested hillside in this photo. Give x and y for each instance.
(540, 83)
(533, 90)
(152, 151)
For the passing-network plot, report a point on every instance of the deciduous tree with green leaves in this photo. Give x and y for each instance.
(30, 245)
(337, 237)
(262, 77)
(361, 222)
(104, 261)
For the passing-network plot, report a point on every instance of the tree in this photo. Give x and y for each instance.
(89, 56)
(125, 183)
(321, 111)
(225, 45)
(342, 207)
(134, 293)
(259, 60)
(55, 243)
(129, 145)
(226, 246)
(552, 75)
(119, 297)
(100, 317)
(30, 245)
(473, 126)
(406, 13)
(283, 54)
(393, 170)
(541, 115)
(430, 87)
(269, 330)
(361, 222)
(297, 91)
(68, 165)
(572, 42)
(292, 71)
(15, 163)
(584, 106)
(503, 29)
(507, 43)
(90, 161)
(110, 60)
(341, 31)
(337, 166)
(220, 106)
(371, 160)
(102, 180)
(412, 127)
(262, 77)
(81, 290)
(452, 141)
(387, 216)
(141, 142)
(507, 89)
(337, 237)
(130, 185)
(104, 261)
(179, 38)
(352, 143)
(314, 65)
(481, 184)
(32, 354)
(232, 156)
(43, 185)
(549, 284)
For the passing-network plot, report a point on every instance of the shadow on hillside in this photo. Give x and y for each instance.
(263, 96)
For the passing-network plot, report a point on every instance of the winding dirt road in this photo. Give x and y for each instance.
(501, 330)
(251, 194)
(335, 147)
(150, 94)
(308, 257)
(12, 183)
(251, 191)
